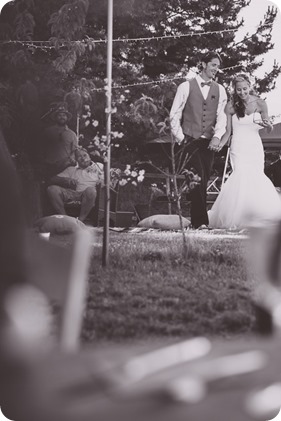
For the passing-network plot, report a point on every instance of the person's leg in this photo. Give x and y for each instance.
(88, 200)
(201, 162)
(55, 194)
(184, 153)
(207, 159)
(197, 210)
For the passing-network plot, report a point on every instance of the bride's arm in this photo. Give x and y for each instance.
(229, 112)
(264, 115)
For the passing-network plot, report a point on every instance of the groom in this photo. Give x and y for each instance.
(198, 122)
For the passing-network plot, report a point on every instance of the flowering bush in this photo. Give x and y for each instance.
(98, 147)
(131, 175)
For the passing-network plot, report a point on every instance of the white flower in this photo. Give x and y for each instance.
(120, 135)
(123, 182)
(141, 172)
(87, 123)
(86, 107)
(127, 172)
(96, 142)
(128, 167)
(117, 145)
(134, 183)
(95, 123)
(134, 174)
(140, 178)
(114, 134)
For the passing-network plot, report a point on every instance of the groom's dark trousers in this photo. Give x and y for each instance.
(201, 160)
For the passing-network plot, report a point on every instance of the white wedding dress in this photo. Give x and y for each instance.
(248, 196)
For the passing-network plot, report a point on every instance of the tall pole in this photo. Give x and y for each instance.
(108, 132)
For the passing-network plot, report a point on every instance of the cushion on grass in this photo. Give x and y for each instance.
(58, 224)
(165, 222)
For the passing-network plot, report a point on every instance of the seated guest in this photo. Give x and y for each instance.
(77, 183)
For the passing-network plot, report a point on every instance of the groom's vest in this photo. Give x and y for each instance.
(199, 114)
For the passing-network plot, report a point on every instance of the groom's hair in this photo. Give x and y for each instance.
(206, 58)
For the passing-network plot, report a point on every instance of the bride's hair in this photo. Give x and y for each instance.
(238, 104)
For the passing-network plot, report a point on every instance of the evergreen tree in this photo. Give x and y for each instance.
(72, 61)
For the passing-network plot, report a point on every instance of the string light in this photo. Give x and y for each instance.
(155, 82)
(96, 41)
(32, 45)
(42, 45)
(190, 34)
(151, 82)
(104, 41)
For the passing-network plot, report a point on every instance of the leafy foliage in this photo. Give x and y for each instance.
(69, 20)
(24, 23)
(72, 56)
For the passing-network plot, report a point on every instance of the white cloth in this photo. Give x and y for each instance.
(179, 104)
(86, 177)
(248, 196)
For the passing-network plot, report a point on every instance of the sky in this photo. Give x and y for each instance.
(253, 14)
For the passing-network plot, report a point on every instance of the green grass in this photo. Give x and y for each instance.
(148, 291)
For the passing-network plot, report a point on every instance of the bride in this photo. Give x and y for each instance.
(248, 196)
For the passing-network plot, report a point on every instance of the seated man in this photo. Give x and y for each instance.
(77, 183)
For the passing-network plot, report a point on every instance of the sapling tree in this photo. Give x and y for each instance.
(181, 180)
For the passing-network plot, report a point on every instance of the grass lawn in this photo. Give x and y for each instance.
(148, 291)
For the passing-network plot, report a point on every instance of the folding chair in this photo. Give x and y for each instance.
(225, 166)
(227, 159)
(213, 186)
(113, 205)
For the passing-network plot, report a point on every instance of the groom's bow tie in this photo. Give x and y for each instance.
(206, 83)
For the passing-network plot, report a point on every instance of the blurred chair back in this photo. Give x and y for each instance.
(61, 273)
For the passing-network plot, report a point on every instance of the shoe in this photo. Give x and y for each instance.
(203, 227)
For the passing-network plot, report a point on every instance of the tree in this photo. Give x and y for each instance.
(61, 23)
(73, 53)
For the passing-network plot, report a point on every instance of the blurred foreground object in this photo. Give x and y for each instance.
(94, 384)
(264, 267)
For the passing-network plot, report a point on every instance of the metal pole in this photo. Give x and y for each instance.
(77, 126)
(108, 133)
